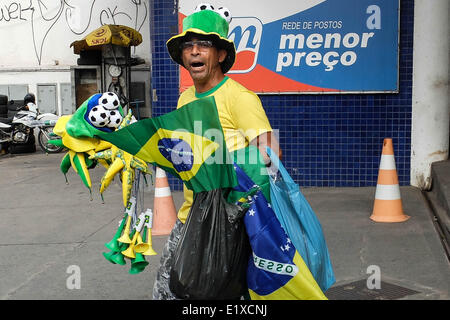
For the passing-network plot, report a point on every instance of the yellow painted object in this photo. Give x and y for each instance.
(113, 159)
(108, 34)
(121, 162)
(79, 148)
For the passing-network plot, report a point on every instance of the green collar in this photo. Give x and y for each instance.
(212, 90)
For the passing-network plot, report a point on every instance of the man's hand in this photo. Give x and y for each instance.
(264, 140)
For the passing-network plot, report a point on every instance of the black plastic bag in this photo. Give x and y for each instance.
(211, 259)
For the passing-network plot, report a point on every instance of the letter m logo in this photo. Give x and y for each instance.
(246, 33)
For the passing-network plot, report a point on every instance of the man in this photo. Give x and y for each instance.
(205, 52)
(29, 102)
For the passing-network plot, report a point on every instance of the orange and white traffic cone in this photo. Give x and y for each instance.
(164, 213)
(388, 203)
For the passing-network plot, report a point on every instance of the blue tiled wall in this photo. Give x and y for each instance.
(327, 140)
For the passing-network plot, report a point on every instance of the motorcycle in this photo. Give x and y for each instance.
(18, 132)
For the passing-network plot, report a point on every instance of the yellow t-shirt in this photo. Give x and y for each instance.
(241, 116)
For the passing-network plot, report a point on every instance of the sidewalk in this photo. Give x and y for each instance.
(48, 226)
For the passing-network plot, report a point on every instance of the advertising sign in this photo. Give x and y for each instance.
(312, 46)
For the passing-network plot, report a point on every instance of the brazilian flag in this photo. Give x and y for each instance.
(276, 270)
(188, 143)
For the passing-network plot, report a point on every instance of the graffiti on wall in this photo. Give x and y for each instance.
(39, 20)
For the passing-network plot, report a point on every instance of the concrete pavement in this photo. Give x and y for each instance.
(49, 229)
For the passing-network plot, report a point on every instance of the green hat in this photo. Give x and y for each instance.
(81, 126)
(205, 23)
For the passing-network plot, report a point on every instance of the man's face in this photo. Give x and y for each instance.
(202, 59)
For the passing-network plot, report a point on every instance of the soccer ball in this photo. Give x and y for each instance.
(203, 6)
(109, 100)
(115, 118)
(225, 13)
(99, 116)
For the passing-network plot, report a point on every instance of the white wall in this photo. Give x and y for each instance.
(36, 35)
(34, 76)
(41, 35)
(430, 94)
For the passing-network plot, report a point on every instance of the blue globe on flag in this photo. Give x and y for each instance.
(178, 152)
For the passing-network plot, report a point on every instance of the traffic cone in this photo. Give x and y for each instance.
(388, 203)
(164, 213)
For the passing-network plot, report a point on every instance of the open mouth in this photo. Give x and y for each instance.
(197, 64)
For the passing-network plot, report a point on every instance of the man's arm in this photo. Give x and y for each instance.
(269, 140)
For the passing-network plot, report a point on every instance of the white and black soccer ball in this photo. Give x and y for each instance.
(225, 13)
(99, 116)
(109, 100)
(203, 6)
(115, 119)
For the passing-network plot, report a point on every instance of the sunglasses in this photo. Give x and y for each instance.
(201, 44)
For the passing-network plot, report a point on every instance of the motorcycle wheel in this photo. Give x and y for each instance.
(43, 139)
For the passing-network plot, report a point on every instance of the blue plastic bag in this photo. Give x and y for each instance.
(300, 223)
